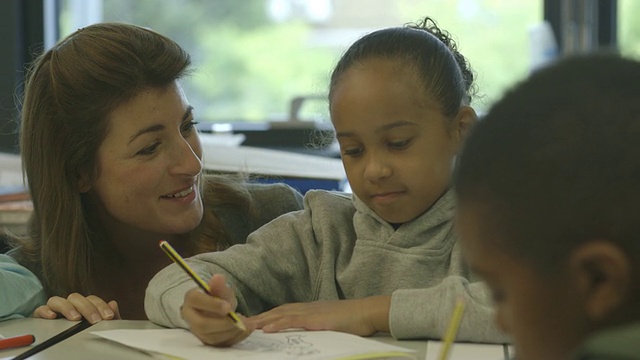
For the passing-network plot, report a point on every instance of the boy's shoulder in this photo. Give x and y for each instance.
(620, 343)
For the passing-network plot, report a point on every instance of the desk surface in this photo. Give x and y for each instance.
(85, 345)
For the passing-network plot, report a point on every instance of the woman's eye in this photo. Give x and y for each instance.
(149, 149)
(188, 126)
(399, 145)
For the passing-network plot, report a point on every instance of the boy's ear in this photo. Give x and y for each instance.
(464, 121)
(603, 276)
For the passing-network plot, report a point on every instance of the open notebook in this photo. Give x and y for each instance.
(308, 345)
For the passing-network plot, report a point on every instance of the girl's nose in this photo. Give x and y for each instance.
(377, 169)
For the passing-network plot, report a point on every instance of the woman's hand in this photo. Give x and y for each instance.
(362, 317)
(207, 315)
(77, 306)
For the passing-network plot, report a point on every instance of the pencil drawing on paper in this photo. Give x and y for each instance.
(294, 346)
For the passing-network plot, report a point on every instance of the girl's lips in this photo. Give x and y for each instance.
(388, 196)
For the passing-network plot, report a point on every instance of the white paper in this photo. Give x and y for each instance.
(466, 351)
(308, 345)
(262, 161)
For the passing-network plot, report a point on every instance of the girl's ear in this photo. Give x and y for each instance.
(464, 121)
(603, 276)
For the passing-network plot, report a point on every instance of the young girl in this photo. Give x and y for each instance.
(114, 165)
(549, 210)
(385, 259)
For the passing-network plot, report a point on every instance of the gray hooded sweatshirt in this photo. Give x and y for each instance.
(338, 248)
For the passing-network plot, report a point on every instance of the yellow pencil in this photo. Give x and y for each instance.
(452, 330)
(173, 254)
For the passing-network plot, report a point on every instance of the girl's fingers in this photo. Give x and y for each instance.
(208, 320)
(219, 332)
(207, 304)
(203, 313)
(222, 289)
(241, 335)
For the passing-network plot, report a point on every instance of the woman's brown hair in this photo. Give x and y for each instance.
(70, 91)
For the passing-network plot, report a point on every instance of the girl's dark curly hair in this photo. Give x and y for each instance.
(444, 72)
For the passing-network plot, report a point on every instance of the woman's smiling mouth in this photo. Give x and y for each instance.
(180, 194)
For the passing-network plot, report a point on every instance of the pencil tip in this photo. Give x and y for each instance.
(241, 325)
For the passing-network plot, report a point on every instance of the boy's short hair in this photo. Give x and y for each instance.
(556, 162)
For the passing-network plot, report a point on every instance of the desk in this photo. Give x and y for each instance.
(84, 345)
(301, 171)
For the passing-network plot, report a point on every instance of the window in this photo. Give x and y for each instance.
(629, 28)
(252, 57)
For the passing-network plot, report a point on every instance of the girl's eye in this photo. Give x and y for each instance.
(149, 149)
(188, 126)
(353, 152)
(400, 145)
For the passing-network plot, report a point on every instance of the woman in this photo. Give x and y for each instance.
(114, 164)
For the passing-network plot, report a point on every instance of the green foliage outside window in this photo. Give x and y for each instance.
(248, 67)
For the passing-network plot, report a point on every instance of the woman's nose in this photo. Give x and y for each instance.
(187, 158)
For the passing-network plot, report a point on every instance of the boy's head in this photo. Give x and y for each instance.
(548, 191)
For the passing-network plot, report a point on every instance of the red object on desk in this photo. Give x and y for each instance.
(17, 341)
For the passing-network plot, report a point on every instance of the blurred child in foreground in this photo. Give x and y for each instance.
(548, 211)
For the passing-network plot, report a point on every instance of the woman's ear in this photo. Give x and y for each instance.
(464, 121)
(603, 276)
(84, 181)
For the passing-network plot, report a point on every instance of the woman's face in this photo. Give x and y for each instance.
(148, 166)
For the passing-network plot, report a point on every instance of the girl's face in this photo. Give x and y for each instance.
(397, 147)
(543, 314)
(149, 166)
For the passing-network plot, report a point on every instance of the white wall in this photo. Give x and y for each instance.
(10, 169)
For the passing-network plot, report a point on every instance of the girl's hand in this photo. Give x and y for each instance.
(207, 315)
(362, 317)
(77, 306)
